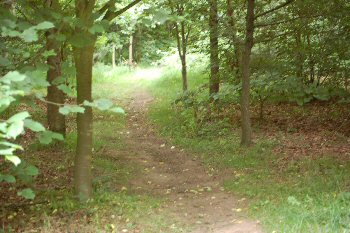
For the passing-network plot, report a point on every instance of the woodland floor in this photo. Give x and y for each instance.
(194, 197)
(144, 182)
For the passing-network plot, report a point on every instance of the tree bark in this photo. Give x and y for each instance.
(299, 55)
(184, 54)
(113, 56)
(56, 121)
(233, 57)
(214, 81)
(131, 59)
(246, 139)
(83, 58)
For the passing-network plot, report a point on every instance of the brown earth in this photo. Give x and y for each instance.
(194, 197)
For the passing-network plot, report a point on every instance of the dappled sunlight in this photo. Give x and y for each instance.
(147, 74)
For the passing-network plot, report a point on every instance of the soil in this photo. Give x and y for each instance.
(194, 197)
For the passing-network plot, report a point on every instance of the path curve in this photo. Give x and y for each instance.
(194, 198)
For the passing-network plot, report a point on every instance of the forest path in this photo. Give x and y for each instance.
(194, 198)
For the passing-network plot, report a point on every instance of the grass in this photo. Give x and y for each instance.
(286, 195)
(114, 208)
(304, 195)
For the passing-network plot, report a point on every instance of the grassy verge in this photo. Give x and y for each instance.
(286, 195)
(114, 208)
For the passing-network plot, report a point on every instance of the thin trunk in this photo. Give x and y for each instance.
(214, 82)
(182, 50)
(56, 121)
(246, 139)
(184, 73)
(113, 56)
(299, 55)
(233, 57)
(131, 59)
(311, 61)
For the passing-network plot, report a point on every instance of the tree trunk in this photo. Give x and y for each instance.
(311, 61)
(113, 56)
(299, 55)
(83, 58)
(131, 59)
(183, 59)
(246, 139)
(182, 50)
(56, 121)
(184, 73)
(214, 81)
(233, 57)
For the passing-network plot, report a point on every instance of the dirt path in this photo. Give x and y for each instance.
(194, 198)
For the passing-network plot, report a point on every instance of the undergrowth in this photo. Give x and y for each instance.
(285, 194)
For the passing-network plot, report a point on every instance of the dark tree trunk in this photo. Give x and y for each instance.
(56, 121)
(181, 39)
(246, 139)
(234, 54)
(299, 55)
(311, 61)
(214, 81)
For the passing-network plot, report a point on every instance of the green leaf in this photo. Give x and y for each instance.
(29, 35)
(8, 151)
(4, 61)
(27, 194)
(117, 110)
(103, 104)
(81, 41)
(7, 178)
(47, 137)
(18, 117)
(49, 53)
(14, 159)
(44, 25)
(33, 125)
(15, 129)
(96, 28)
(71, 108)
(66, 89)
(31, 170)
(12, 76)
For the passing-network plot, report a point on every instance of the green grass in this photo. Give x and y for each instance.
(302, 195)
(114, 206)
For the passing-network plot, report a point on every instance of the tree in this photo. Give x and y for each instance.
(246, 139)
(83, 58)
(214, 81)
(56, 121)
(182, 33)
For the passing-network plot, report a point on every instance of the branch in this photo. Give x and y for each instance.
(272, 38)
(274, 9)
(107, 6)
(260, 25)
(178, 40)
(110, 15)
